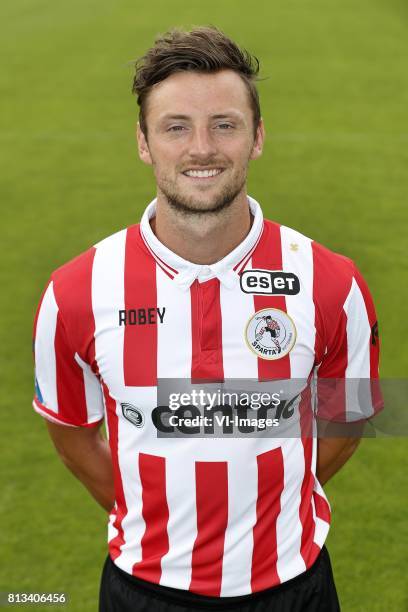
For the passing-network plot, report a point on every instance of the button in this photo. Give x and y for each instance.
(206, 270)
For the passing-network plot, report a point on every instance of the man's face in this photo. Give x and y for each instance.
(200, 139)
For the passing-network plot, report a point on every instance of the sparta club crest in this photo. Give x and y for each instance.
(270, 333)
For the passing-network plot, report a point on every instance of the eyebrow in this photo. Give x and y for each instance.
(187, 117)
(226, 115)
(166, 117)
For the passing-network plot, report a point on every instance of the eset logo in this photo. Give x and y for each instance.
(269, 282)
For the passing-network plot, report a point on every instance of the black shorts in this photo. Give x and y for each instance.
(312, 591)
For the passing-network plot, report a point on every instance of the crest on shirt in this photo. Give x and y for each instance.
(270, 333)
(133, 414)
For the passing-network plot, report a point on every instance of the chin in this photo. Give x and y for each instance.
(199, 202)
(198, 205)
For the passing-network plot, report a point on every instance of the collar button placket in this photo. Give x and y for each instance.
(197, 324)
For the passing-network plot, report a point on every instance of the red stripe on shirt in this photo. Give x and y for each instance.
(121, 510)
(155, 540)
(206, 322)
(69, 378)
(212, 519)
(377, 400)
(268, 256)
(322, 507)
(140, 340)
(305, 508)
(331, 381)
(331, 350)
(73, 293)
(306, 492)
(75, 333)
(268, 506)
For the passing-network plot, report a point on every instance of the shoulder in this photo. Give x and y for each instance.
(77, 268)
(332, 269)
(72, 282)
(327, 277)
(332, 272)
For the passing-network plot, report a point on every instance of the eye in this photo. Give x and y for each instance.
(175, 128)
(225, 126)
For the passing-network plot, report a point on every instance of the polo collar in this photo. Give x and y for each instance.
(184, 272)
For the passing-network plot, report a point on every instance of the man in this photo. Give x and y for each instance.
(198, 523)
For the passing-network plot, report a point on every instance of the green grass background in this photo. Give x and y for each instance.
(335, 167)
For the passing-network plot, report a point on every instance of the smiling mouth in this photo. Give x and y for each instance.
(203, 174)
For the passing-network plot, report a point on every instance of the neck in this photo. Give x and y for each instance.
(202, 238)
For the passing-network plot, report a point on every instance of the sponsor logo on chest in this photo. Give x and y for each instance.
(269, 282)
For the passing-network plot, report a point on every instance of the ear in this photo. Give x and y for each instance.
(257, 147)
(143, 147)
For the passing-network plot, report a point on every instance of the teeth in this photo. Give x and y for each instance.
(202, 173)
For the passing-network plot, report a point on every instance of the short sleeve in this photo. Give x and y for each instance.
(348, 375)
(67, 391)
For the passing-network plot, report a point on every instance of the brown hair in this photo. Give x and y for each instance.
(203, 49)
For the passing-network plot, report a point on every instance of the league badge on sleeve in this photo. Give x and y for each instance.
(270, 333)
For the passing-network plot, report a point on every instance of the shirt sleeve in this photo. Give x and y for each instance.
(348, 376)
(67, 391)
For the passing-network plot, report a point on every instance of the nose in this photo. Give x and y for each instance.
(202, 144)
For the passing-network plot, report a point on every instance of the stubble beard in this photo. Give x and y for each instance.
(188, 206)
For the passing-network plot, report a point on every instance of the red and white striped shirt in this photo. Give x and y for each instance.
(219, 517)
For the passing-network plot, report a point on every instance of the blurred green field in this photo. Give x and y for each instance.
(335, 166)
